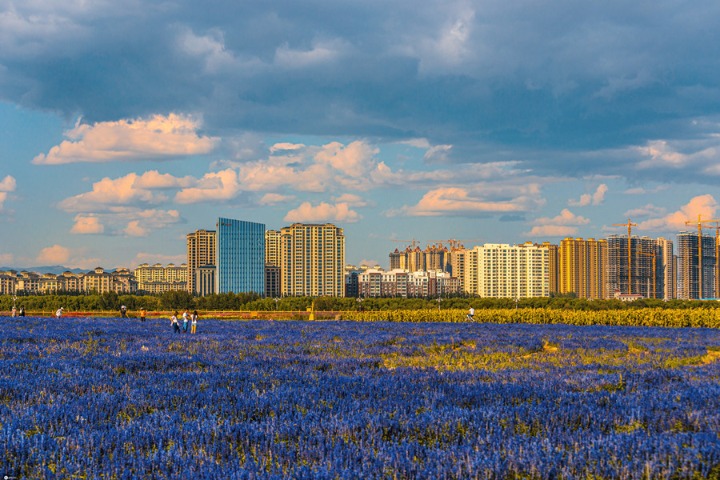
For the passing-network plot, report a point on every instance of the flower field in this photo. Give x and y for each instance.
(111, 398)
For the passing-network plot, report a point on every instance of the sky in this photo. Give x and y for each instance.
(126, 124)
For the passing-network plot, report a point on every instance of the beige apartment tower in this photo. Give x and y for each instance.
(200, 253)
(505, 271)
(272, 248)
(583, 267)
(312, 260)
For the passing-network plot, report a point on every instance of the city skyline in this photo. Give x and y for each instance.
(123, 126)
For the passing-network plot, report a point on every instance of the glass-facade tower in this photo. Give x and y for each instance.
(240, 257)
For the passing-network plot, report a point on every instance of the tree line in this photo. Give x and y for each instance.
(178, 300)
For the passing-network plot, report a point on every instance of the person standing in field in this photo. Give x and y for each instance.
(185, 321)
(22, 311)
(13, 313)
(174, 323)
(59, 312)
(123, 311)
(143, 314)
(471, 314)
(193, 320)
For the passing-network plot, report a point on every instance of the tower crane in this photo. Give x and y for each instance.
(455, 242)
(413, 242)
(629, 226)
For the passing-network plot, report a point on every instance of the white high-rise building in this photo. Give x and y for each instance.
(505, 271)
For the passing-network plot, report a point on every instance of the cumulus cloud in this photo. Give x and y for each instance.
(564, 224)
(214, 186)
(67, 257)
(352, 200)
(134, 229)
(110, 192)
(323, 212)
(275, 199)
(595, 198)
(54, 255)
(480, 200)
(7, 185)
(156, 137)
(704, 206)
(289, 166)
(85, 225)
(211, 50)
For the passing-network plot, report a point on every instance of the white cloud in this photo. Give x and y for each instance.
(284, 147)
(648, 210)
(108, 192)
(72, 258)
(86, 225)
(275, 198)
(352, 200)
(438, 153)
(643, 191)
(422, 143)
(214, 186)
(564, 224)
(54, 255)
(704, 206)
(134, 229)
(323, 212)
(596, 198)
(211, 50)
(7, 185)
(482, 199)
(155, 137)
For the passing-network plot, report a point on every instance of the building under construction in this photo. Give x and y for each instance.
(696, 272)
(647, 269)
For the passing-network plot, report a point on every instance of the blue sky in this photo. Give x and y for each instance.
(126, 124)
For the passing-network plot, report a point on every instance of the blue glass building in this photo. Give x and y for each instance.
(240, 256)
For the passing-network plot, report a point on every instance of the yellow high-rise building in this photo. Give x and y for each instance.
(200, 253)
(312, 260)
(583, 267)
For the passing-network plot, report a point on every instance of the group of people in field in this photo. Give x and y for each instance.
(17, 313)
(187, 319)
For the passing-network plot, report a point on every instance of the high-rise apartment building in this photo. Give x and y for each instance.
(505, 271)
(312, 260)
(272, 247)
(631, 272)
(695, 266)
(158, 279)
(553, 267)
(457, 266)
(200, 253)
(583, 267)
(240, 256)
(666, 276)
(434, 257)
